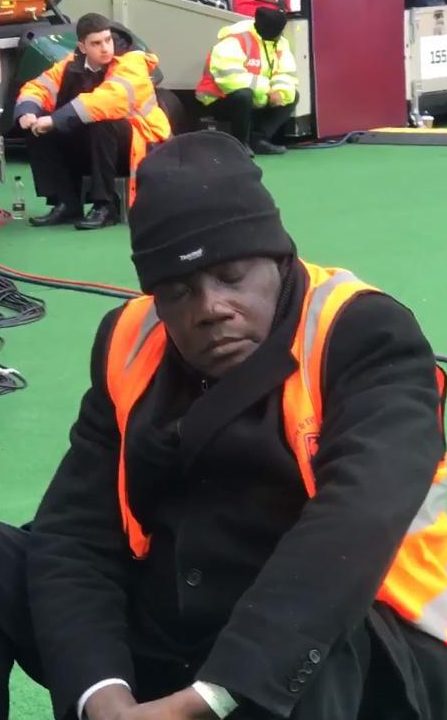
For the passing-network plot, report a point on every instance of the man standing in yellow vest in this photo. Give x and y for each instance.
(252, 516)
(250, 81)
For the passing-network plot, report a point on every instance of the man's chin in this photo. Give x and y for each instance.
(220, 363)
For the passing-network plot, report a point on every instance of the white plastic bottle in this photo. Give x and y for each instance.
(18, 205)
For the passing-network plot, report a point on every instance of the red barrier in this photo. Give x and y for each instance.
(358, 51)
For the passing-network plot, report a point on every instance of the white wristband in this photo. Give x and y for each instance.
(219, 699)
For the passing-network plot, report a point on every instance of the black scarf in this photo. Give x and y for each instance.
(173, 421)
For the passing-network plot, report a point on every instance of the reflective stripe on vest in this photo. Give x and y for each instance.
(328, 291)
(50, 85)
(416, 584)
(251, 48)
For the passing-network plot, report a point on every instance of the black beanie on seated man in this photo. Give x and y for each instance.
(200, 201)
(270, 22)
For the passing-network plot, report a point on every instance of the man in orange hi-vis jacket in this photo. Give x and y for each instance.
(251, 520)
(93, 113)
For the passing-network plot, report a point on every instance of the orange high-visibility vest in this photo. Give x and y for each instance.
(416, 583)
(253, 64)
(126, 92)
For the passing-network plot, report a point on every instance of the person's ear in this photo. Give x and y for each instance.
(81, 47)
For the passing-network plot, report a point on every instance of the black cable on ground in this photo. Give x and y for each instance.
(327, 144)
(63, 284)
(25, 309)
(29, 309)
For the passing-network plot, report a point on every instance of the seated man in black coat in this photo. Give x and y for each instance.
(251, 518)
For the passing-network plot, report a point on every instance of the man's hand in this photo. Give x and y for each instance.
(27, 121)
(42, 125)
(117, 703)
(275, 98)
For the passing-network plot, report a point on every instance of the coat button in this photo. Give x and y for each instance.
(295, 685)
(307, 667)
(194, 577)
(314, 656)
(297, 682)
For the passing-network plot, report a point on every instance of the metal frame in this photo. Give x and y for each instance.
(420, 23)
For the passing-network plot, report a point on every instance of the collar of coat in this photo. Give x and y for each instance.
(80, 63)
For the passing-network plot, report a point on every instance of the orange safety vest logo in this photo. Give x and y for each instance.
(311, 440)
(416, 583)
(250, 47)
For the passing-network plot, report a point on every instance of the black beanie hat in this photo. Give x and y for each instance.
(199, 202)
(269, 22)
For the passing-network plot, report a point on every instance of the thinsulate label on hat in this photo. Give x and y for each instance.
(193, 255)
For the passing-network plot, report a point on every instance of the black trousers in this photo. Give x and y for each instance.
(59, 160)
(238, 109)
(355, 683)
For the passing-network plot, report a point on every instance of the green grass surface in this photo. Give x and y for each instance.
(378, 210)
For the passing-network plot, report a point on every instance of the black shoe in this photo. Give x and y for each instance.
(264, 147)
(59, 215)
(98, 217)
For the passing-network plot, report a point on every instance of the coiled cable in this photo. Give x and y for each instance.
(25, 308)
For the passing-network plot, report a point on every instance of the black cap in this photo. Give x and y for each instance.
(270, 22)
(199, 202)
